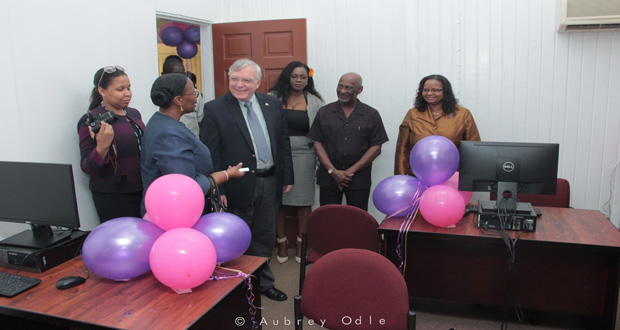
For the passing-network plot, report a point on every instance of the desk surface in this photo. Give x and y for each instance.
(142, 303)
(569, 264)
(556, 225)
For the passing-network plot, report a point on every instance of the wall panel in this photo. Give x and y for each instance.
(522, 80)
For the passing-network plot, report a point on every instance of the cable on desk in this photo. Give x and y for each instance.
(511, 245)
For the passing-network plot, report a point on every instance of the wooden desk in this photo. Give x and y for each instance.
(142, 303)
(570, 264)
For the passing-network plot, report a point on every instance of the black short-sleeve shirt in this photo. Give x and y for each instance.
(347, 139)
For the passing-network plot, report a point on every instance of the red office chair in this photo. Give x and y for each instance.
(333, 227)
(353, 288)
(560, 199)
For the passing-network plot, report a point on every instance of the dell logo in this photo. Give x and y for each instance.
(508, 166)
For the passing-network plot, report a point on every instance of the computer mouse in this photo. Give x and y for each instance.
(69, 282)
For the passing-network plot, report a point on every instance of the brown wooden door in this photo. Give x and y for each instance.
(271, 44)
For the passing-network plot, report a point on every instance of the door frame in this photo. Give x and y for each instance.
(206, 48)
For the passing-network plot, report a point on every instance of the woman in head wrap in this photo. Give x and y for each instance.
(168, 146)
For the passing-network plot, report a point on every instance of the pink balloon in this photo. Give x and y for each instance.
(147, 217)
(442, 206)
(182, 258)
(454, 183)
(174, 201)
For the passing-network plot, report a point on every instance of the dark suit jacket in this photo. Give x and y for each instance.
(227, 135)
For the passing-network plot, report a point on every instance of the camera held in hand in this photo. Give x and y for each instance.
(95, 121)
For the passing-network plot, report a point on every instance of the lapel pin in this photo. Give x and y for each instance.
(266, 104)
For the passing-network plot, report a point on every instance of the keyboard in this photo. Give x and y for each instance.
(12, 285)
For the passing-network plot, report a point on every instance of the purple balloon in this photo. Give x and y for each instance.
(229, 234)
(119, 249)
(434, 159)
(192, 34)
(396, 193)
(171, 36)
(187, 49)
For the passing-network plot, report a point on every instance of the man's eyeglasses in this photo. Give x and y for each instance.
(195, 93)
(245, 81)
(109, 70)
(434, 90)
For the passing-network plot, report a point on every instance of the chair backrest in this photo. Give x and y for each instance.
(560, 199)
(333, 227)
(353, 285)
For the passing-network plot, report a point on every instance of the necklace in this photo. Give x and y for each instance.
(295, 100)
(436, 113)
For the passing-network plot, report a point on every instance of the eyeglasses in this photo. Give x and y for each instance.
(434, 90)
(245, 81)
(347, 88)
(109, 70)
(195, 93)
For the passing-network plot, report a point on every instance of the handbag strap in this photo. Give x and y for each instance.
(215, 197)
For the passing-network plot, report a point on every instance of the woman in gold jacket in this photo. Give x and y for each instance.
(436, 112)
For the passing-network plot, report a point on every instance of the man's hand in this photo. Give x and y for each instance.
(287, 189)
(224, 201)
(342, 177)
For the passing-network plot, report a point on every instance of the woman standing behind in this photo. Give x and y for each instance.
(110, 154)
(436, 112)
(169, 147)
(301, 102)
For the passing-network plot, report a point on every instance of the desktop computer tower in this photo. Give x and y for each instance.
(39, 260)
(522, 219)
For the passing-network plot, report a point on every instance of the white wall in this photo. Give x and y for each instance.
(521, 79)
(51, 51)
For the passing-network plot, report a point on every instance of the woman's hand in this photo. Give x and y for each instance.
(104, 138)
(233, 171)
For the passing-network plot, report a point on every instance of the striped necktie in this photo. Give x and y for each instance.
(264, 152)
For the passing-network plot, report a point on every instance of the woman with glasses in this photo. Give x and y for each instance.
(110, 136)
(301, 102)
(169, 147)
(436, 112)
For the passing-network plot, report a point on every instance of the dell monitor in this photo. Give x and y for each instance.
(41, 195)
(508, 168)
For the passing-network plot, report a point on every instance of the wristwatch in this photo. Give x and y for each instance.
(330, 171)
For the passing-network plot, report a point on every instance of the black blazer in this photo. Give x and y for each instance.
(226, 134)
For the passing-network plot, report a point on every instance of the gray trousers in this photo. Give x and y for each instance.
(261, 218)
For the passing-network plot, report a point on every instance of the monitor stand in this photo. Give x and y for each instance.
(37, 237)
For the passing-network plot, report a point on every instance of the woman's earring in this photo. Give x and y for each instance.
(181, 108)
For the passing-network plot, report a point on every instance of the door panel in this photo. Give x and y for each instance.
(271, 44)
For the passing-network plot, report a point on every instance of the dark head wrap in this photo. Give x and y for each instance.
(166, 87)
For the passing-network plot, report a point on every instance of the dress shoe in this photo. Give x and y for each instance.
(275, 294)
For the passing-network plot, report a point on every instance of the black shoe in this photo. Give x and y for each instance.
(275, 294)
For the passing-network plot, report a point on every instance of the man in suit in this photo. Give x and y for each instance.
(249, 127)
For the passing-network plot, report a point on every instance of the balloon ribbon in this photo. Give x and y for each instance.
(404, 228)
(249, 294)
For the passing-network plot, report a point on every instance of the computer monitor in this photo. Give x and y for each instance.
(508, 168)
(41, 195)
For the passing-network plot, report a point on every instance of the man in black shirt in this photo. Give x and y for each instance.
(347, 135)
